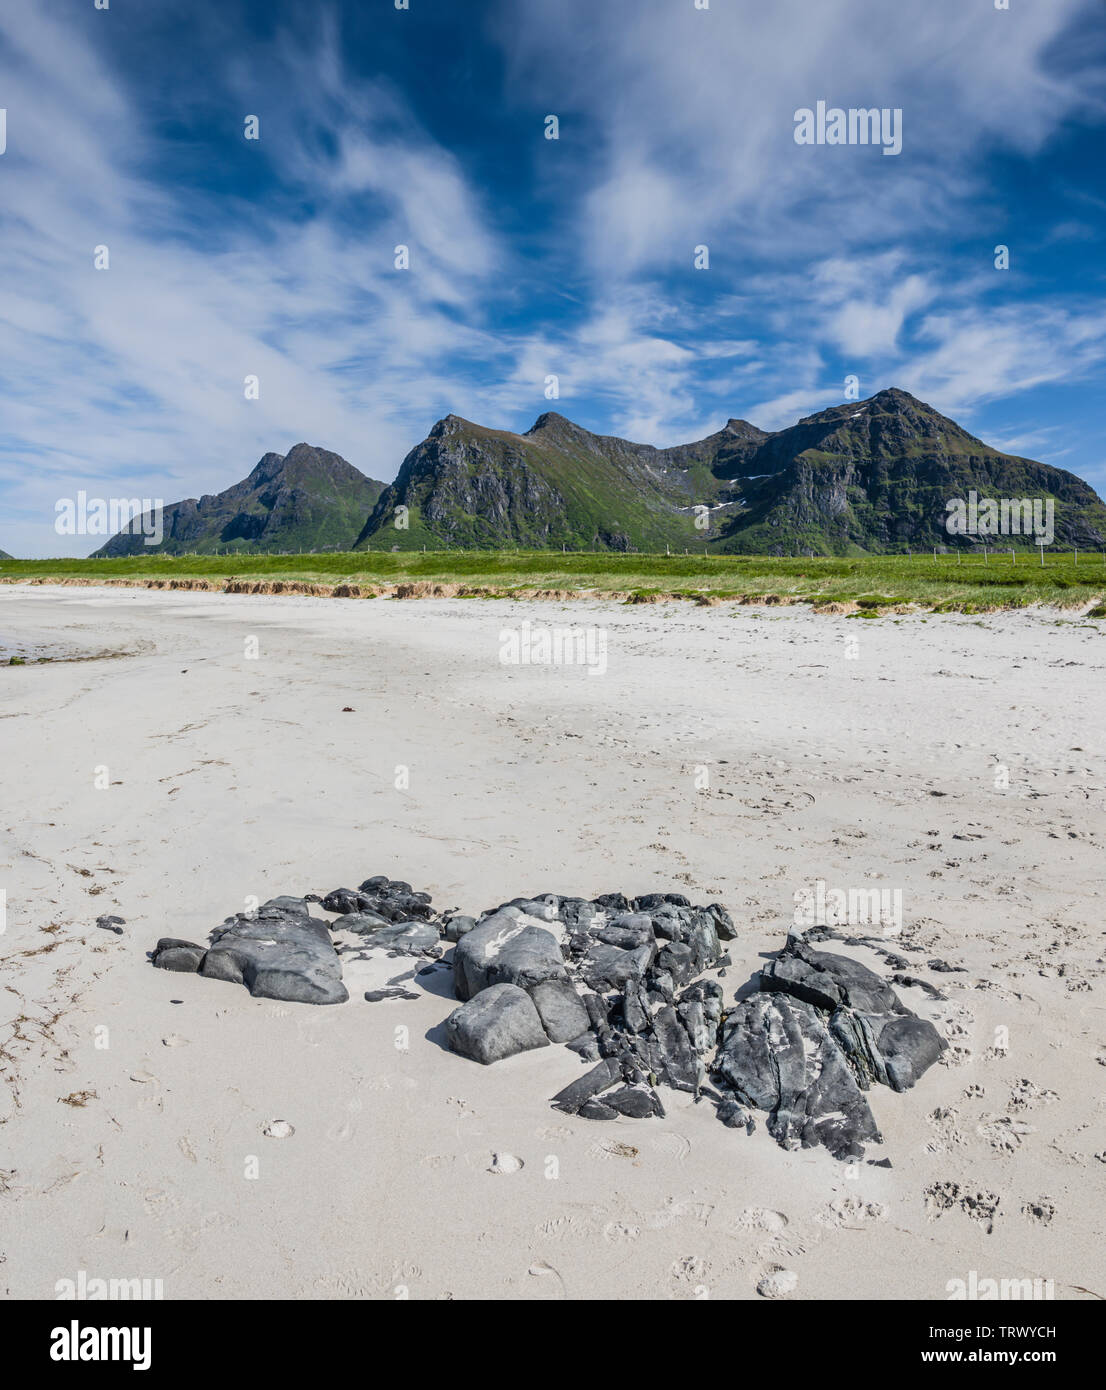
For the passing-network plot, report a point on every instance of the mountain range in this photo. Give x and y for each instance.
(866, 477)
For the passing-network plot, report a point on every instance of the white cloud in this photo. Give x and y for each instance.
(676, 130)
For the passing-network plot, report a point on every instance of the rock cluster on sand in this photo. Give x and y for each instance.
(282, 952)
(620, 982)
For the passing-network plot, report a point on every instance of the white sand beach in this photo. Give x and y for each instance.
(134, 1101)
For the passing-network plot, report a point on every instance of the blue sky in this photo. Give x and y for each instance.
(531, 257)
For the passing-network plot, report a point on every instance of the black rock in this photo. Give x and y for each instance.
(676, 960)
(374, 996)
(560, 1008)
(344, 900)
(635, 1007)
(584, 1088)
(894, 1049)
(408, 938)
(609, 967)
(678, 1064)
(585, 1046)
(577, 913)
(638, 1102)
(735, 1116)
(363, 923)
(459, 926)
(504, 950)
(648, 901)
(826, 981)
(277, 954)
(612, 902)
(296, 906)
(543, 911)
(173, 954)
(702, 938)
(497, 1023)
(913, 982)
(628, 931)
(778, 1055)
(723, 922)
(596, 1110)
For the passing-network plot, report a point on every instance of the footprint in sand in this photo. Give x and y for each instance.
(620, 1233)
(852, 1214)
(557, 1133)
(690, 1269)
(699, 1213)
(152, 1099)
(777, 1282)
(1041, 1211)
(1026, 1093)
(566, 1228)
(672, 1146)
(760, 1219)
(343, 1129)
(1005, 1134)
(941, 1197)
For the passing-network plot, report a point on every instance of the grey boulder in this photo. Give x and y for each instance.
(826, 981)
(894, 1049)
(459, 926)
(560, 1009)
(411, 938)
(610, 967)
(778, 1055)
(171, 953)
(362, 923)
(503, 950)
(277, 954)
(498, 1023)
(577, 1093)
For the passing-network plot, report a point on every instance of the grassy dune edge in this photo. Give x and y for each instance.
(867, 585)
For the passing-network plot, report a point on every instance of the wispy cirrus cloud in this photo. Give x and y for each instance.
(528, 258)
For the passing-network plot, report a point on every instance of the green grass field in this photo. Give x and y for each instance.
(876, 583)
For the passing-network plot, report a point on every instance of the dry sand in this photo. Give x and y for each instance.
(134, 1101)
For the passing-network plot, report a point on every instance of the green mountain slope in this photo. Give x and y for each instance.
(876, 476)
(309, 499)
(866, 477)
(556, 485)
